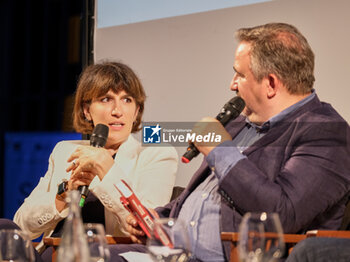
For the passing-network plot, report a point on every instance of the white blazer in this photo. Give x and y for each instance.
(150, 171)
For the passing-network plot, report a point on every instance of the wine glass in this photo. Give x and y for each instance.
(15, 246)
(96, 239)
(260, 237)
(169, 241)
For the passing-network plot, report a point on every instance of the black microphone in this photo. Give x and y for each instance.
(98, 139)
(231, 110)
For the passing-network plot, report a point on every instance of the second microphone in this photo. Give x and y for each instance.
(231, 110)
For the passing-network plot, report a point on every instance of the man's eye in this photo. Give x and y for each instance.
(105, 99)
(239, 75)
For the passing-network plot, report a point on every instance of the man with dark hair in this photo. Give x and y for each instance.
(288, 153)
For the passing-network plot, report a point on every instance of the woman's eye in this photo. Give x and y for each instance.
(127, 99)
(105, 99)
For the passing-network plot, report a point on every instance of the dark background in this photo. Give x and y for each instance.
(44, 47)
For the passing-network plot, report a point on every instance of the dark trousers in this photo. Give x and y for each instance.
(122, 248)
(318, 249)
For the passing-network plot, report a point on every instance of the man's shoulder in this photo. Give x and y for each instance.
(322, 113)
(314, 111)
(321, 123)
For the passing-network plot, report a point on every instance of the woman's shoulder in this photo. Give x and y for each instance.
(69, 145)
(163, 150)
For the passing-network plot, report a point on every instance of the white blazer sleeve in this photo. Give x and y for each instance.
(38, 213)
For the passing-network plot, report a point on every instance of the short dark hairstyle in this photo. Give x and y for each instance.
(95, 81)
(280, 49)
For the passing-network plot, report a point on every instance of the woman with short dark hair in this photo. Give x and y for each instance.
(108, 93)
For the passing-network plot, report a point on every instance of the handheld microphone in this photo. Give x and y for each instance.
(98, 139)
(229, 111)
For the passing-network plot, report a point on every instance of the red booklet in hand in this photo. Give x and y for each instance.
(142, 215)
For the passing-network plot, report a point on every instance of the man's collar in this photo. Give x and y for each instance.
(280, 116)
(259, 128)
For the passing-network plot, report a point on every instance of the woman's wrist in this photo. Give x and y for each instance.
(61, 195)
(60, 203)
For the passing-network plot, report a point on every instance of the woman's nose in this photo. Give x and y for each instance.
(117, 111)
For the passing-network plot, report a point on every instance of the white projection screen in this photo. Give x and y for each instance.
(184, 58)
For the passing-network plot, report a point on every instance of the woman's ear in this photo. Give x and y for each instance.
(136, 113)
(86, 109)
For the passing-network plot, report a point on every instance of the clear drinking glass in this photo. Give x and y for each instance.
(15, 246)
(170, 241)
(260, 237)
(73, 246)
(96, 238)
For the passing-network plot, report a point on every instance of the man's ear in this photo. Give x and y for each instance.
(86, 108)
(272, 85)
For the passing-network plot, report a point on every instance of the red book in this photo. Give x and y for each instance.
(142, 215)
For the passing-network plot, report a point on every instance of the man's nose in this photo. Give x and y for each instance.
(233, 85)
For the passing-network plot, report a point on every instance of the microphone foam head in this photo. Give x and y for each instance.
(237, 103)
(231, 110)
(99, 135)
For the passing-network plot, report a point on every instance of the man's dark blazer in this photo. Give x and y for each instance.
(299, 169)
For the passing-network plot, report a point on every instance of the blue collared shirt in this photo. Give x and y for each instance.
(201, 210)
